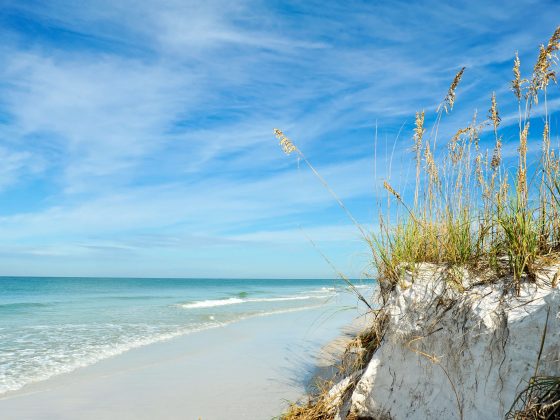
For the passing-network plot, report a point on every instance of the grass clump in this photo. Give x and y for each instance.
(539, 401)
(469, 208)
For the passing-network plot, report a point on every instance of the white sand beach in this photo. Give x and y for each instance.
(247, 370)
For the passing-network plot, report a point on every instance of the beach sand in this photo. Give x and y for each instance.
(247, 370)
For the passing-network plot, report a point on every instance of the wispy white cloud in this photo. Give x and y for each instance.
(212, 205)
(17, 166)
(128, 120)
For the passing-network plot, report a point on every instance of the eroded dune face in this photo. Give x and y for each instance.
(459, 354)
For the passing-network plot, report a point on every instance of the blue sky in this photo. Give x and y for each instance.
(136, 137)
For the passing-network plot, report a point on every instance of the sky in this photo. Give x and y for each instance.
(136, 138)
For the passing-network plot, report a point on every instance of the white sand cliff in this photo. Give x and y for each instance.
(450, 354)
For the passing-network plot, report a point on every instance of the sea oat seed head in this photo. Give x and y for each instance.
(419, 130)
(546, 142)
(554, 163)
(542, 72)
(522, 170)
(523, 140)
(516, 82)
(287, 146)
(493, 112)
(450, 98)
(431, 167)
(478, 169)
(388, 187)
(496, 155)
(456, 151)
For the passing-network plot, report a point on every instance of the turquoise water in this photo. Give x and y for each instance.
(50, 326)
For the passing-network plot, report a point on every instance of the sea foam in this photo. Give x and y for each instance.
(235, 301)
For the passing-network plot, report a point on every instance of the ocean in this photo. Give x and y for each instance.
(50, 326)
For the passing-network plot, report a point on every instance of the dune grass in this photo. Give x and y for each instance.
(470, 209)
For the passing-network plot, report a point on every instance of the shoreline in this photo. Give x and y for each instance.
(253, 367)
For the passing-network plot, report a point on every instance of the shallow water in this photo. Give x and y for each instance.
(50, 326)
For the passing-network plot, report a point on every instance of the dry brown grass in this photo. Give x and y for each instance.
(540, 401)
(321, 405)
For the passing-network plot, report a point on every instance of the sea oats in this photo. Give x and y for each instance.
(546, 138)
(522, 170)
(449, 100)
(455, 149)
(543, 71)
(466, 211)
(478, 170)
(475, 131)
(419, 131)
(502, 195)
(517, 82)
(388, 187)
(546, 152)
(554, 163)
(523, 143)
(496, 155)
(287, 146)
(418, 136)
(493, 114)
(553, 45)
(431, 167)
(494, 117)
